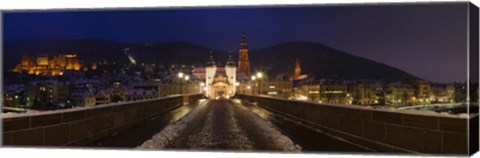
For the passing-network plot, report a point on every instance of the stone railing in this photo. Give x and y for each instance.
(380, 129)
(82, 126)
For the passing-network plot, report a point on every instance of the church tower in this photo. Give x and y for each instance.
(243, 62)
(210, 70)
(298, 69)
(231, 72)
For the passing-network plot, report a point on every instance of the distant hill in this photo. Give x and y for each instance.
(92, 50)
(316, 59)
(322, 61)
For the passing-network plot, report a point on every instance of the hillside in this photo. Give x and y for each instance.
(322, 61)
(316, 59)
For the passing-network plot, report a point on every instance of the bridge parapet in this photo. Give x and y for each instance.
(380, 129)
(82, 126)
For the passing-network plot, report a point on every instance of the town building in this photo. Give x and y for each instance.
(363, 94)
(102, 97)
(83, 97)
(334, 91)
(308, 90)
(275, 88)
(423, 92)
(143, 90)
(117, 93)
(443, 93)
(42, 92)
(181, 83)
(13, 95)
(399, 94)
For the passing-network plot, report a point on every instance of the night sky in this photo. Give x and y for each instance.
(428, 41)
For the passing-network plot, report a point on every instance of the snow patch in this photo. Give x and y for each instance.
(170, 133)
(269, 131)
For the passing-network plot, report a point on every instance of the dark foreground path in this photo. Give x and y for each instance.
(225, 125)
(221, 124)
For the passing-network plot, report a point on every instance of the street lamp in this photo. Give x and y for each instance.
(186, 80)
(253, 79)
(202, 87)
(259, 76)
(180, 75)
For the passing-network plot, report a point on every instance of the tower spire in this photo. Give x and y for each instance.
(243, 42)
(243, 62)
(230, 62)
(298, 69)
(211, 61)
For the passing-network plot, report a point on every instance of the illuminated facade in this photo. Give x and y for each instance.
(220, 81)
(444, 93)
(43, 65)
(424, 94)
(399, 94)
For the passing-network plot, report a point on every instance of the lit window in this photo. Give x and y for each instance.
(313, 92)
(273, 92)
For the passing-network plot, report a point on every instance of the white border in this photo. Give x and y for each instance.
(89, 4)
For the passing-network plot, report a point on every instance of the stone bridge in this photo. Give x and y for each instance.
(245, 123)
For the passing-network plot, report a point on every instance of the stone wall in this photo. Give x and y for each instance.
(84, 125)
(380, 130)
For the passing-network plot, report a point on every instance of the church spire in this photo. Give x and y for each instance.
(298, 69)
(211, 61)
(243, 42)
(243, 62)
(230, 62)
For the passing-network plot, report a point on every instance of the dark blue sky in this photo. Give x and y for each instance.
(428, 41)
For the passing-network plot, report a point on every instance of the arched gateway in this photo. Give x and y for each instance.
(220, 81)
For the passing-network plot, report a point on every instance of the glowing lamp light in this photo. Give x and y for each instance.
(253, 78)
(187, 77)
(180, 74)
(259, 75)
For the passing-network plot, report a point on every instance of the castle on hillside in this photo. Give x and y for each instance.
(43, 65)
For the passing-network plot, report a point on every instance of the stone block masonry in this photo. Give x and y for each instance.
(379, 129)
(79, 127)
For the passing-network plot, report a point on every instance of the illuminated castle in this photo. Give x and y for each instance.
(42, 65)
